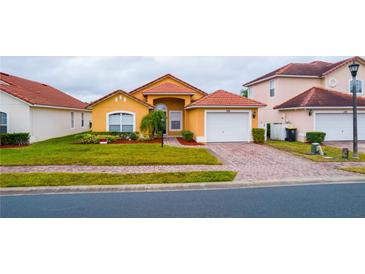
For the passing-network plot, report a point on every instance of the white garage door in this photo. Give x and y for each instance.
(338, 126)
(228, 126)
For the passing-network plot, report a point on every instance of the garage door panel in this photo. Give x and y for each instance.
(338, 126)
(227, 127)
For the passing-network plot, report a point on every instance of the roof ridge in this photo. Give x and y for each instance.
(165, 76)
(110, 94)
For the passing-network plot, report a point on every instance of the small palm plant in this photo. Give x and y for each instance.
(153, 123)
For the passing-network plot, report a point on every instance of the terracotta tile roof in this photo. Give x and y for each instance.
(319, 97)
(314, 69)
(122, 92)
(168, 76)
(168, 88)
(224, 98)
(37, 93)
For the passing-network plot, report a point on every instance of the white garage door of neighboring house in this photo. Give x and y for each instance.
(338, 126)
(228, 126)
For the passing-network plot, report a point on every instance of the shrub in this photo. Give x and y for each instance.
(14, 139)
(109, 138)
(133, 136)
(315, 136)
(258, 135)
(86, 139)
(187, 135)
(114, 133)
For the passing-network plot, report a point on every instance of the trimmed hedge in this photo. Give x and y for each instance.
(258, 135)
(315, 136)
(187, 135)
(14, 139)
(123, 135)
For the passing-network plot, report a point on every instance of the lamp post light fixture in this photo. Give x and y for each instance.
(353, 69)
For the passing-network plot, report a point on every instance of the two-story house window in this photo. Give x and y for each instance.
(359, 86)
(272, 88)
(250, 92)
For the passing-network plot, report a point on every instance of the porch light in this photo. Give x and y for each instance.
(354, 68)
(310, 112)
(254, 114)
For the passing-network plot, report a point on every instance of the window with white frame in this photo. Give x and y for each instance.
(121, 122)
(82, 119)
(250, 92)
(359, 86)
(175, 120)
(272, 88)
(72, 120)
(3, 122)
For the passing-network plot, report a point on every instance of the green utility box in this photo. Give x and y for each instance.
(314, 148)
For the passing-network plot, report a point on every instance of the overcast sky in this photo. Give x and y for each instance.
(88, 78)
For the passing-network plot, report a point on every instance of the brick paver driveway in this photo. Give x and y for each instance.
(252, 162)
(347, 144)
(260, 162)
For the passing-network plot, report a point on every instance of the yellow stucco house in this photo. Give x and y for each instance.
(221, 116)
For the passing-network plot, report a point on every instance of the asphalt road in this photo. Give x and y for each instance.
(336, 200)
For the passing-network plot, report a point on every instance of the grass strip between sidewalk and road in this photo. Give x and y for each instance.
(71, 179)
(304, 149)
(360, 170)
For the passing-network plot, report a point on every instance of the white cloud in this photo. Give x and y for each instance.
(89, 78)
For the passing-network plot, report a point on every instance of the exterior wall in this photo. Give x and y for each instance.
(18, 113)
(49, 123)
(342, 76)
(172, 104)
(100, 110)
(285, 89)
(196, 120)
(301, 120)
(140, 95)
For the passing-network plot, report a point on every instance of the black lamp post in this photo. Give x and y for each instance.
(353, 69)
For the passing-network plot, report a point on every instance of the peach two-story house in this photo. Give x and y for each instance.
(220, 116)
(312, 96)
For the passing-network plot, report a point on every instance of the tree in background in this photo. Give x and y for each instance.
(244, 92)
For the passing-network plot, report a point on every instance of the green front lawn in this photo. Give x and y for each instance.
(69, 179)
(303, 149)
(61, 151)
(360, 170)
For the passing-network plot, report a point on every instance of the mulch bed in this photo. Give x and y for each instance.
(13, 146)
(124, 142)
(189, 143)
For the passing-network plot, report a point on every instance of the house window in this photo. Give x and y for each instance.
(175, 120)
(250, 93)
(121, 122)
(272, 88)
(359, 86)
(82, 119)
(72, 120)
(3, 122)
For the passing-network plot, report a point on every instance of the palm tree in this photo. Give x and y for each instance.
(153, 123)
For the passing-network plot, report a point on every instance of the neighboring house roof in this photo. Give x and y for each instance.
(168, 88)
(319, 97)
(35, 93)
(222, 98)
(314, 69)
(119, 91)
(168, 76)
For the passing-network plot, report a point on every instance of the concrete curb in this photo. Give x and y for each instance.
(181, 186)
